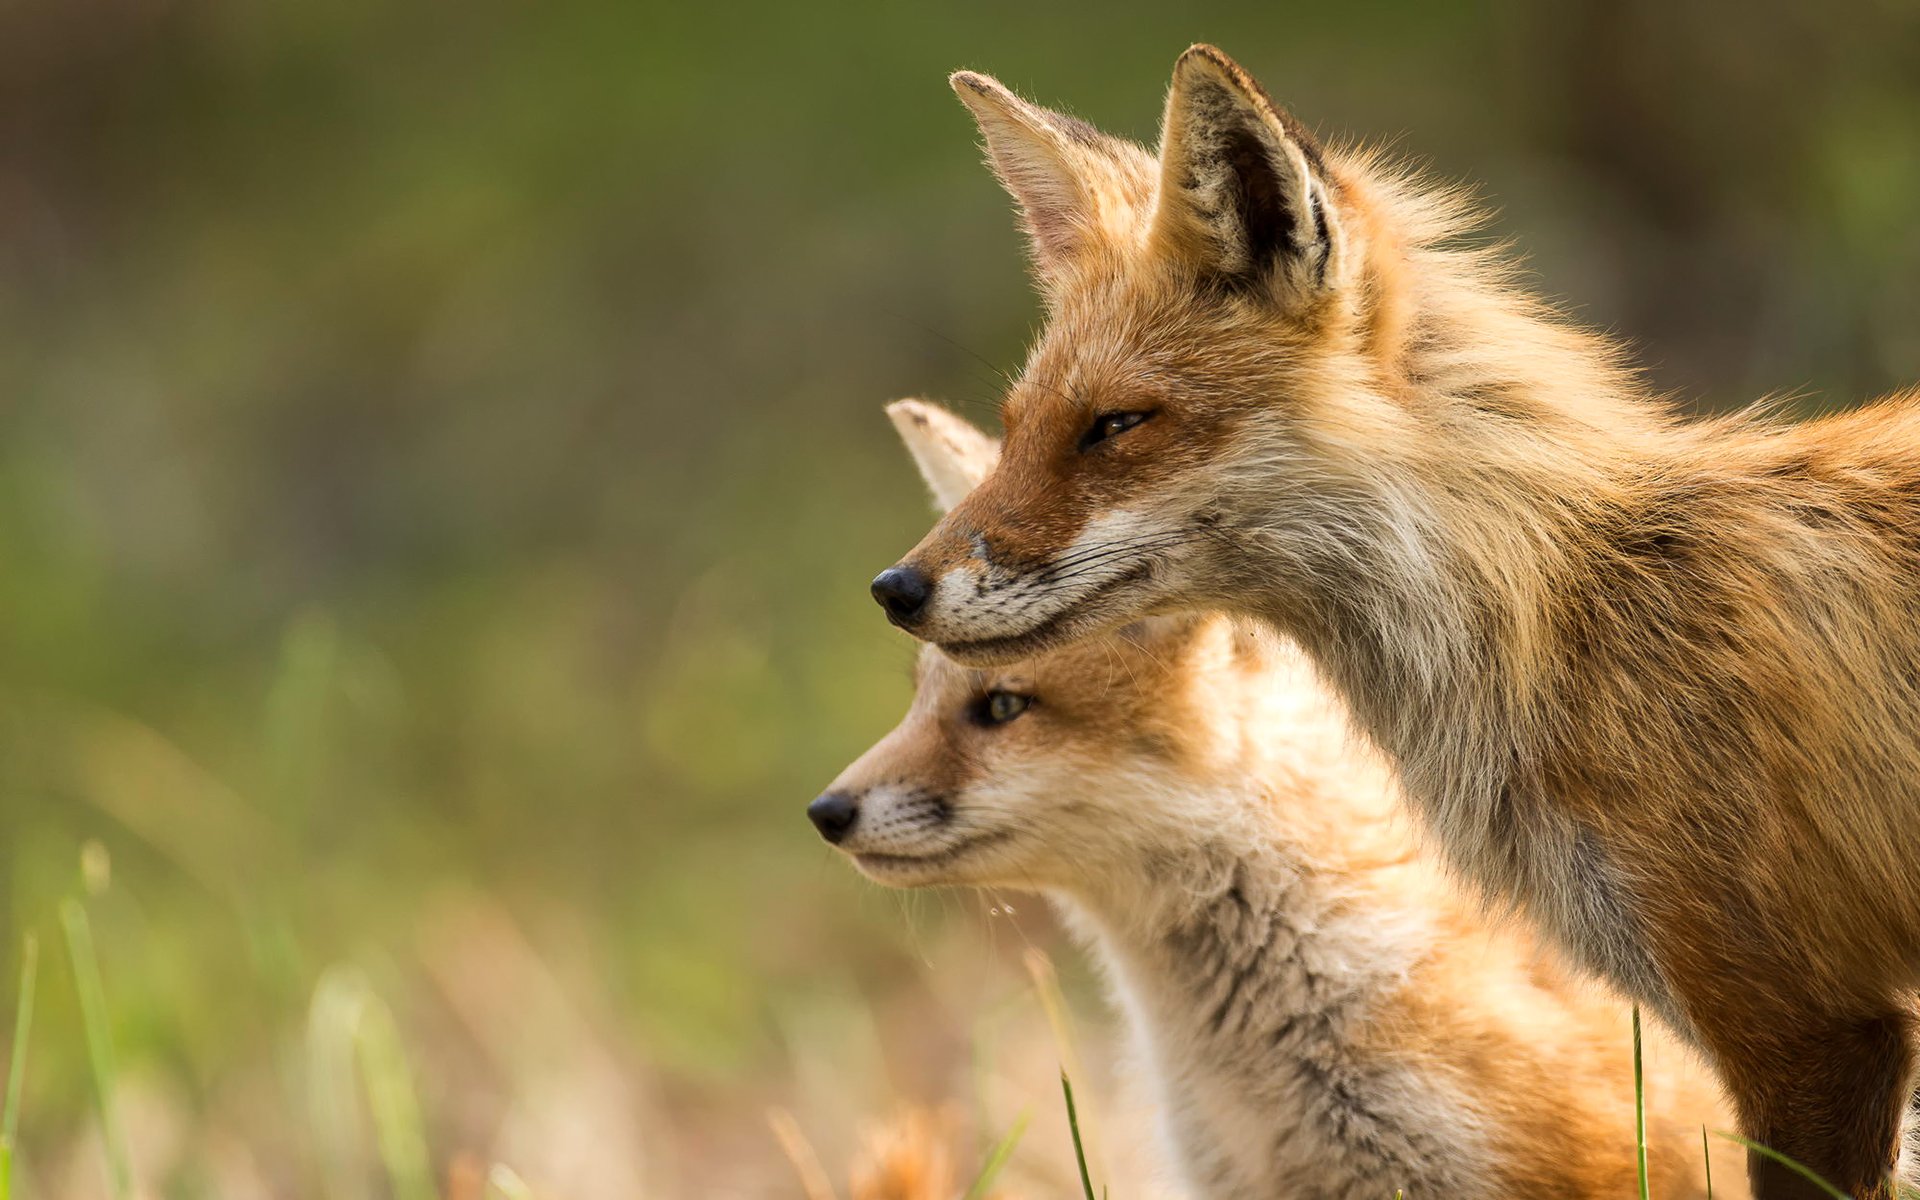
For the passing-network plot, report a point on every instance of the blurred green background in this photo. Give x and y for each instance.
(441, 464)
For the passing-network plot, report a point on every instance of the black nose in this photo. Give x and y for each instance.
(903, 591)
(833, 814)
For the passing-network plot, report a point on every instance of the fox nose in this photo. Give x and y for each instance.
(903, 591)
(833, 815)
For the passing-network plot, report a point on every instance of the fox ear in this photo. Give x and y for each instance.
(1244, 193)
(1070, 180)
(953, 455)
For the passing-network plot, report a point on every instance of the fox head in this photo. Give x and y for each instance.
(1213, 316)
(1052, 770)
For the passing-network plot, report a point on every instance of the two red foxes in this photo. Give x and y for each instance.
(1314, 1010)
(1654, 683)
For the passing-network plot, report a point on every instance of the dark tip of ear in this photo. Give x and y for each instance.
(973, 81)
(913, 410)
(1201, 56)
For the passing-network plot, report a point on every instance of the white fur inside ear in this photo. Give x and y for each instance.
(953, 454)
(1074, 185)
(1026, 149)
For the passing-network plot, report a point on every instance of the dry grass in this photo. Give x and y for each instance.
(485, 1065)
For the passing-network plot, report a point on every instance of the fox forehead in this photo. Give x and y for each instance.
(1131, 334)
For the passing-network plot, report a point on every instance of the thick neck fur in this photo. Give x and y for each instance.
(1252, 946)
(1509, 439)
(1250, 1002)
(1498, 440)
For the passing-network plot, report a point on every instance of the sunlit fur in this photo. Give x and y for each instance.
(1654, 682)
(1314, 1011)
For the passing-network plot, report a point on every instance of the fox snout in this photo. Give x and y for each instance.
(1039, 546)
(903, 591)
(834, 815)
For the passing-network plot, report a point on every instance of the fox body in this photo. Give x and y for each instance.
(1317, 1012)
(1653, 682)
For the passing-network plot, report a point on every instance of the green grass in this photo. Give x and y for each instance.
(353, 1052)
(1783, 1160)
(93, 1016)
(1079, 1149)
(356, 1058)
(997, 1158)
(1706, 1157)
(1640, 1110)
(17, 1063)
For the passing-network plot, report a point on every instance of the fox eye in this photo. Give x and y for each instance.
(1108, 425)
(997, 708)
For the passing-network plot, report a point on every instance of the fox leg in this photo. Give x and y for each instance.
(1830, 1094)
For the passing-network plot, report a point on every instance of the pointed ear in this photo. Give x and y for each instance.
(1244, 192)
(953, 455)
(1071, 181)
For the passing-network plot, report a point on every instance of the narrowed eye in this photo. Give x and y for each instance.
(1108, 425)
(997, 708)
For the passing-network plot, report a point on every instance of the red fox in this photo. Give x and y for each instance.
(1317, 1012)
(1654, 682)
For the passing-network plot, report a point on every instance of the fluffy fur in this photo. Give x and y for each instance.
(1655, 683)
(1315, 1011)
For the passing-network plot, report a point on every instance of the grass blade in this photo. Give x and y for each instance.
(1783, 1160)
(17, 1062)
(393, 1105)
(1640, 1109)
(996, 1159)
(1046, 986)
(333, 1105)
(1706, 1156)
(93, 1017)
(1073, 1125)
(814, 1183)
(352, 1039)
